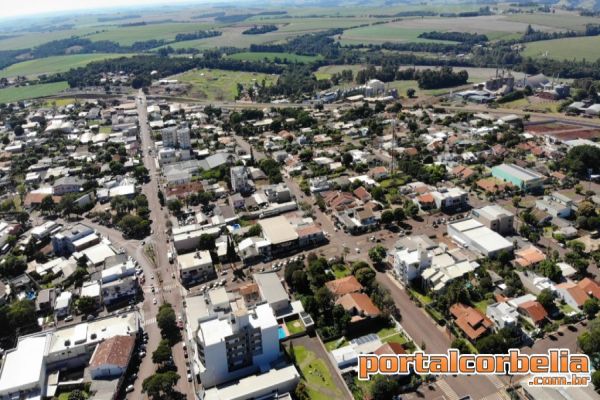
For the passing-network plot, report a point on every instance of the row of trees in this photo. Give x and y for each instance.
(260, 29)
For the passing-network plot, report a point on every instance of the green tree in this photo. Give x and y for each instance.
(591, 307)
(550, 269)
(206, 242)
(410, 93)
(596, 379)
(377, 254)
(47, 205)
(384, 387)
(546, 298)
(387, 217)
(175, 206)
(581, 160)
(254, 230)
(461, 345)
(163, 352)
(21, 315)
(167, 322)
(366, 276)
(77, 395)
(161, 385)
(86, 305)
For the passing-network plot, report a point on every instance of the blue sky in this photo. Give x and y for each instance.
(31, 7)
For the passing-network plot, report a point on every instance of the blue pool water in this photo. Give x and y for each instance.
(281, 333)
(236, 227)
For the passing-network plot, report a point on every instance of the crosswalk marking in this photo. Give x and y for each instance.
(496, 381)
(148, 289)
(149, 321)
(448, 391)
(494, 396)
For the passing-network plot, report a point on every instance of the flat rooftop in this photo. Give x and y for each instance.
(519, 172)
(23, 367)
(270, 287)
(95, 331)
(278, 230)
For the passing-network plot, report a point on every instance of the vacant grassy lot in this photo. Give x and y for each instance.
(131, 34)
(31, 92)
(250, 56)
(295, 326)
(217, 84)
(51, 65)
(316, 374)
(568, 48)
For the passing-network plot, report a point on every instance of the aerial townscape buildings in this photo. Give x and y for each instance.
(241, 212)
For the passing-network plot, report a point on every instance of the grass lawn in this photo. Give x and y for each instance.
(363, 388)
(105, 129)
(340, 271)
(295, 326)
(565, 49)
(65, 396)
(59, 102)
(218, 84)
(259, 56)
(424, 299)
(482, 305)
(316, 375)
(566, 309)
(31, 92)
(51, 65)
(397, 338)
(335, 344)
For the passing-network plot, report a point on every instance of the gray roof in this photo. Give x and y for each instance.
(270, 287)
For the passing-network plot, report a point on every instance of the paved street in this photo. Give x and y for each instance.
(169, 288)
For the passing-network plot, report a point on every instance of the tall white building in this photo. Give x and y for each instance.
(240, 180)
(173, 137)
(237, 344)
(408, 264)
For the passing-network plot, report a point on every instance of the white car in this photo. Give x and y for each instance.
(129, 389)
(154, 301)
(357, 250)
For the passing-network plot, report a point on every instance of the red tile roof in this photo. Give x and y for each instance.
(342, 286)
(359, 302)
(390, 348)
(472, 322)
(362, 194)
(535, 310)
(115, 351)
(590, 286)
(576, 292)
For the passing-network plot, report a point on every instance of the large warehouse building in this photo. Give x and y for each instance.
(475, 236)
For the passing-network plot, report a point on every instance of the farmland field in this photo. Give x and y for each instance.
(217, 84)
(232, 36)
(559, 21)
(326, 71)
(567, 48)
(55, 64)
(128, 35)
(31, 92)
(408, 30)
(258, 56)
(32, 39)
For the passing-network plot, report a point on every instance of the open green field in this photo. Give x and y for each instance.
(218, 84)
(316, 375)
(128, 35)
(31, 92)
(51, 65)
(568, 48)
(377, 34)
(232, 36)
(258, 56)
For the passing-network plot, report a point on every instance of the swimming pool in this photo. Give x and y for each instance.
(282, 334)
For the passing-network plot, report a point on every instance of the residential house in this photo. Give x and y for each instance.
(503, 314)
(343, 286)
(359, 305)
(533, 312)
(471, 321)
(529, 257)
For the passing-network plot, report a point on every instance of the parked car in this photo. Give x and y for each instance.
(129, 389)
